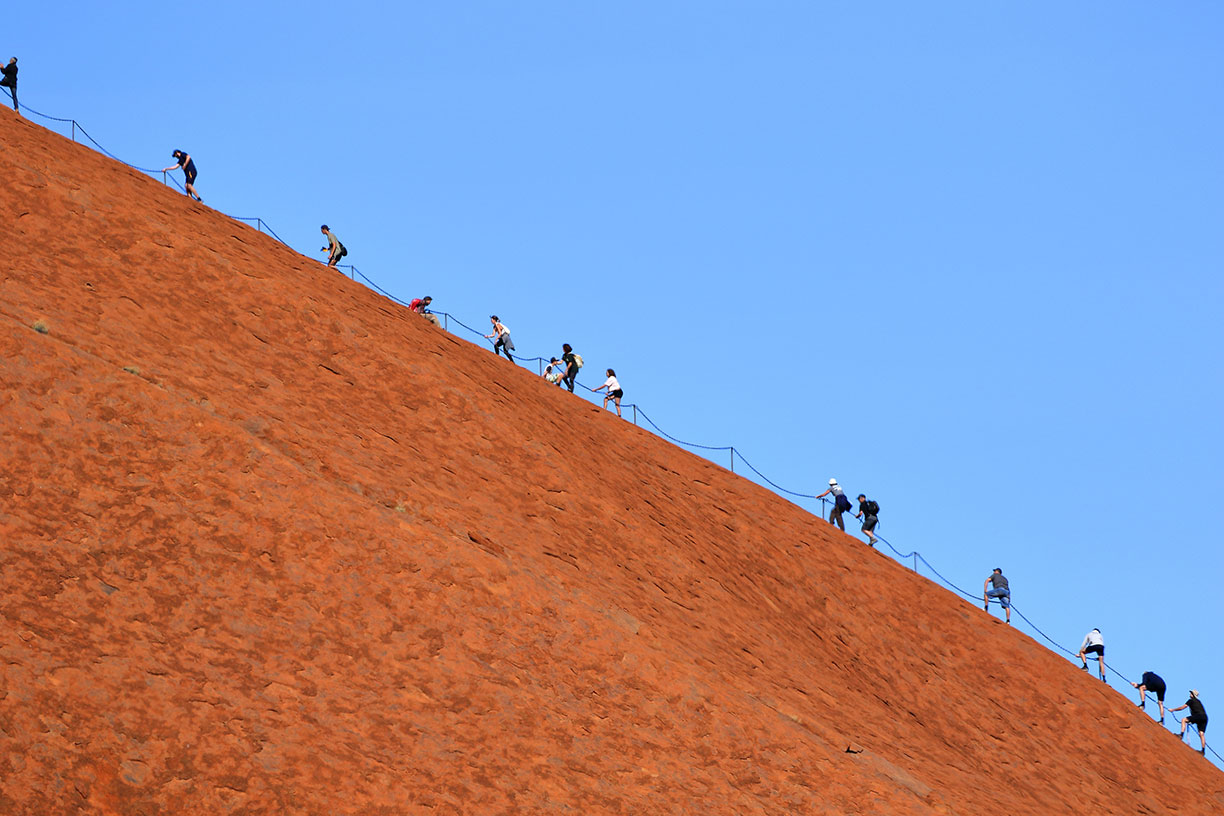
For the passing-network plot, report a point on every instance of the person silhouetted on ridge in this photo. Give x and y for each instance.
(503, 342)
(573, 363)
(1000, 589)
(1093, 644)
(840, 504)
(189, 171)
(869, 512)
(1197, 718)
(614, 391)
(1153, 682)
(10, 79)
(421, 307)
(334, 249)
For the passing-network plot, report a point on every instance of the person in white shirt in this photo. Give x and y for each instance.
(1093, 644)
(840, 504)
(613, 389)
(552, 372)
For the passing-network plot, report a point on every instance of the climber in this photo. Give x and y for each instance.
(421, 307)
(1093, 644)
(1198, 717)
(840, 504)
(869, 512)
(573, 362)
(1000, 590)
(502, 333)
(189, 170)
(334, 249)
(1153, 682)
(614, 391)
(552, 371)
(10, 79)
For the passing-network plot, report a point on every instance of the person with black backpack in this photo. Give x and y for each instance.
(334, 249)
(840, 504)
(869, 512)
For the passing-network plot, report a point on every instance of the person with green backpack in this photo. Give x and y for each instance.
(869, 512)
(573, 362)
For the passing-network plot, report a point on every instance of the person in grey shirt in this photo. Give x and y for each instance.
(996, 587)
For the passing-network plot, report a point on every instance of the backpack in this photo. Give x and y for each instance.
(842, 503)
(578, 360)
(343, 251)
(872, 507)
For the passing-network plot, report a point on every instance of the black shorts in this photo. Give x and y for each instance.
(191, 177)
(617, 394)
(1100, 650)
(1202, 724)
(1158, 690)
(869, 523)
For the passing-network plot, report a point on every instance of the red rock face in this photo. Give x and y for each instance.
(272, 544)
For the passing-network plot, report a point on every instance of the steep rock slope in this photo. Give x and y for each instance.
(273, 545)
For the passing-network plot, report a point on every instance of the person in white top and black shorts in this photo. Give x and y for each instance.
(614, 391)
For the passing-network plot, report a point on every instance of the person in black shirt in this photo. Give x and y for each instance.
(868, 511)
(1198, 717)
(571, 366)
(189, 170)
(10, 79)
(1151, 681)
(996, 586)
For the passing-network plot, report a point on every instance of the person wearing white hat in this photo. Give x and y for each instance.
(1093, 644)
(840, 504)
(1197, 718)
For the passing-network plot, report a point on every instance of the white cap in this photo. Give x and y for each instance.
(832, 481)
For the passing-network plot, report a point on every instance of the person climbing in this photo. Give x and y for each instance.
(1000, 590)
(573, 363)
(503, 341)
(840, 504)
(334, 249)
(10, 79)
(869, 512)
(1093, 644)
(189, 170)
(1151, 681)
(614, 391)
(421, 307)
(552, 371)
(1198, 718)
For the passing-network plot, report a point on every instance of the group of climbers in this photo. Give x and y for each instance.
(868, 511)
(565, 372)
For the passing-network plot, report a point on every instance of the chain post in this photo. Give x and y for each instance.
(74, 130)
(634, 414)
(732, 460)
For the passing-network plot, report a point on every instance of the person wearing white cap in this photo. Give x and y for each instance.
(840, 504)
(1198, 718)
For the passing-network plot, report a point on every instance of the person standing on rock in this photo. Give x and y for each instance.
(840, 504)
(1093, 644)
(421, 307)
(10, 79)
(869, 512)
(1197, 718)
(573, 363)
(614, 391)
(189, 171)
(334, 249)
(503, 342)
(996, 586)
(1153, 682)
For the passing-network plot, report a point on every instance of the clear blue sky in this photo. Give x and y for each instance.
(963, 256)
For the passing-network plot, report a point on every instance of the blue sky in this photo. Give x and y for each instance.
(963, 256)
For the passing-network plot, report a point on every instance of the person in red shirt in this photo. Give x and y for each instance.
(421, 307)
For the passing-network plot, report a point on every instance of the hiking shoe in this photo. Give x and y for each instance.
(1084, 667)
(1142, 705)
